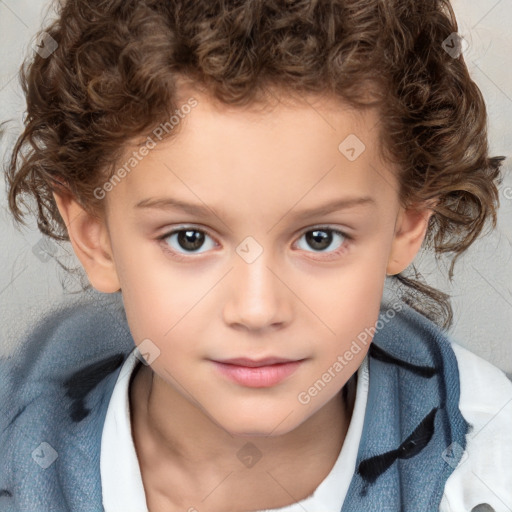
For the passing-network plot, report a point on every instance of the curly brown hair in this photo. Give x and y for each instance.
(115, 74)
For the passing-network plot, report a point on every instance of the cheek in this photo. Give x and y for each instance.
(347, 300)
(167, 313)
(155, 295)
(160, 315)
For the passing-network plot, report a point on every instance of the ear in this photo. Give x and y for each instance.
(410, 230)
(90, 239)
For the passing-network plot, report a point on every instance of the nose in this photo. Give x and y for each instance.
(258, 298)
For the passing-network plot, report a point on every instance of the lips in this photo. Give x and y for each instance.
(262, 373)
(251, 363)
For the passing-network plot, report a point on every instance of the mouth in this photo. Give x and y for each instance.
(261, 373)
(253, 363)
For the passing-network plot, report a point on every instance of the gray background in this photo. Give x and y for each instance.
(31, 283)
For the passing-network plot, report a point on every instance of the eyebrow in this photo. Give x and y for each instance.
(170, 203)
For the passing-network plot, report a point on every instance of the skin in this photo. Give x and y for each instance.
(255, 169)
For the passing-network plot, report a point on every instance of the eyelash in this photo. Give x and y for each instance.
(346, 243)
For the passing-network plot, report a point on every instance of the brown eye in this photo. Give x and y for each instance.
(190, 240)
(320, 239)
(187, 240)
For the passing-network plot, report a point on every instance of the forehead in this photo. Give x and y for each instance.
(281, 152)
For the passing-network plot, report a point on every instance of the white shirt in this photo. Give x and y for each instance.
(484, 474)
(485, 402)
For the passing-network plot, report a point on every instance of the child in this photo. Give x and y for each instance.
(248, 175)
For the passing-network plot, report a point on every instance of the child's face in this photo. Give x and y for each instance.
(257, 285)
